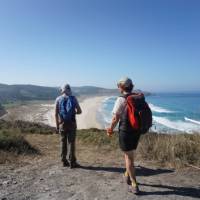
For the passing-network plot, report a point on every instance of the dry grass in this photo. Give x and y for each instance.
(26, 127)
(13, 142)
(27, 138)
(98, 138)
(172, 150)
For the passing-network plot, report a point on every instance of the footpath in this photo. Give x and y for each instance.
(98, 178)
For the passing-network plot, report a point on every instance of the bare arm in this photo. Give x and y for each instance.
(113, 124)
(56, 117)
(118, 109)
(78, 109)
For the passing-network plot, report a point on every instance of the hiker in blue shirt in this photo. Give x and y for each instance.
(66, 108)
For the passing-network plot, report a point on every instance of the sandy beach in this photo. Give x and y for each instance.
(44, 113)
(89, 118)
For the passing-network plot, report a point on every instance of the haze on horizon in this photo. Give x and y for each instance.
(91, 42)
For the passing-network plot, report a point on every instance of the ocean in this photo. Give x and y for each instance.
(172, 112)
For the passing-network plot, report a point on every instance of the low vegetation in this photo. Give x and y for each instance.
(98, 138)
(13, 141)
(170, 150)
(2, 110)
(175, 150)
(26, 127)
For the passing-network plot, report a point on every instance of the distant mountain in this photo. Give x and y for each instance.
(92, 90)
(12, 93)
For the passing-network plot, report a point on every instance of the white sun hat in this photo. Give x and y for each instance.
(125, 81)
(66, 89)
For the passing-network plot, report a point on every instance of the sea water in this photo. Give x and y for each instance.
(172, 112)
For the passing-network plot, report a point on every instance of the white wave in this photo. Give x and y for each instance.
(177, 125)
(108, 98)
(104, 115)
(108, 119)
(47, 105)
(159, 109)
(192, 120)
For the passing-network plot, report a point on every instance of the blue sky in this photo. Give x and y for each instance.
(95, 42)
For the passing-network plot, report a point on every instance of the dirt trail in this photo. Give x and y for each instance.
(99, 178)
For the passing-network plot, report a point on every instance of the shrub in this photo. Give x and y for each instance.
(13, 141)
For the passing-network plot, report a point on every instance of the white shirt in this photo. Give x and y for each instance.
(119, 106)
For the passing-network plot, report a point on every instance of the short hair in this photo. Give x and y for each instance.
(129, 88)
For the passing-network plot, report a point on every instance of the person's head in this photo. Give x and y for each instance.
(66, 89)
(125, 85)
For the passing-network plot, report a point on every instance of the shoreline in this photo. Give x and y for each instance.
(93, 115)
(90, 116)
(90, 113)
(44, 113)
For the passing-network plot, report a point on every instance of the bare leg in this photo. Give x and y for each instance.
(129, 162)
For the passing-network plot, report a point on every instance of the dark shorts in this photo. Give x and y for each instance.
(128, 140)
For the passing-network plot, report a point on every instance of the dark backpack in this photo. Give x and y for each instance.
(67, 108)
(139, 113)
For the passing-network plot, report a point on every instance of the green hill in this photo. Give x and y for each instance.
(13, 93)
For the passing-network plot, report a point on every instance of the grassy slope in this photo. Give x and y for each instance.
(2, 110)
(19, 93)
(173, 150)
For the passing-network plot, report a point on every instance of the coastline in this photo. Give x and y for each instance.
(44, 113)
(89, 117)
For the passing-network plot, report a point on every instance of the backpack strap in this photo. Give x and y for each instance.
(134, 94)
(126, 95)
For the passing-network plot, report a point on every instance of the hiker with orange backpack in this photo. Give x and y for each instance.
(66, 108)
(135, 118)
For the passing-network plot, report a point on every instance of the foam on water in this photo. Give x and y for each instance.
(105, 111)
(47, 105)
(169, 113)
(192, 120)
(107, 99)
(177, 125)
(159, 109)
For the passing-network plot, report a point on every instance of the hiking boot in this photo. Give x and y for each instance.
(65, 163)
(74, 165)
(135, 188)
(127, 178)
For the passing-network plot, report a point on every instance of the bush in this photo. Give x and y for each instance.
(12, 140)
(27, 127)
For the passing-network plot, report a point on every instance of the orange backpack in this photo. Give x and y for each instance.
(139, 113)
